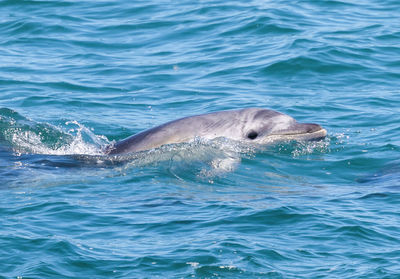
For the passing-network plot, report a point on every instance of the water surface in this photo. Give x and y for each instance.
(75, 76)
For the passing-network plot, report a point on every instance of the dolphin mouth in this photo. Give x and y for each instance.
(302, 131)
(315, 135)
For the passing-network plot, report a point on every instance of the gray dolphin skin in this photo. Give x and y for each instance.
(249, 125)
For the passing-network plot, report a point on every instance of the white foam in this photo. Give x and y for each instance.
(72, 141)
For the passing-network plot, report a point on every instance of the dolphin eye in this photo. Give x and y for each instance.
(252, 135)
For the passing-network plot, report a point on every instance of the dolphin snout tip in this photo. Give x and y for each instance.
(323, 133)
(314, 131)
(311, 128)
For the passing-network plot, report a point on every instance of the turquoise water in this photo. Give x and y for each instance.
(77, 75)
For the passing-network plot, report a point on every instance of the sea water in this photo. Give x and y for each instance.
(76, 76)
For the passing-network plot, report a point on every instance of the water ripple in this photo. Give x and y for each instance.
(75, 76)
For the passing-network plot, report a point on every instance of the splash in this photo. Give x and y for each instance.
(200, 157)
(309, 147)
(26, 136)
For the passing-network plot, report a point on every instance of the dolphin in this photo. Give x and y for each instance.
(248, 125)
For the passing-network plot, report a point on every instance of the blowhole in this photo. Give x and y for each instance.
(252, 135)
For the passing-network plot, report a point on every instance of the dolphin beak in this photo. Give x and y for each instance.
(313, 131)
(304, 131)
(311, 128)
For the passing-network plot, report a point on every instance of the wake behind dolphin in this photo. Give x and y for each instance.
(249, 125)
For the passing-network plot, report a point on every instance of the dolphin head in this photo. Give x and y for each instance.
(266, 126)
(250, 125)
